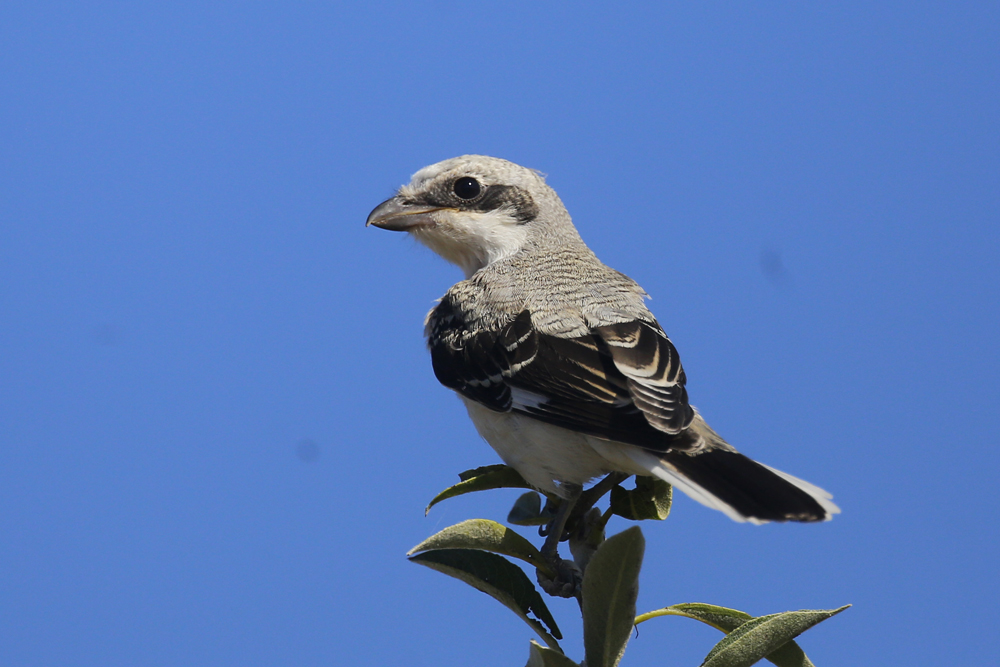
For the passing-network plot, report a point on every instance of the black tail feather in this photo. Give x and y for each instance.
(751, 489)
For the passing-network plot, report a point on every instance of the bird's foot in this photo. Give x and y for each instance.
(566, 583)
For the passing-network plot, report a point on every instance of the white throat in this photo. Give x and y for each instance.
(473, 240)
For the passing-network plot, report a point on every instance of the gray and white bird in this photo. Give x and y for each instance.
(562, 368)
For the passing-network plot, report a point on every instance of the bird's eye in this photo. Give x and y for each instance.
(467, 188)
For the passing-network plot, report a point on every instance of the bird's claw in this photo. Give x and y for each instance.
(566, 583)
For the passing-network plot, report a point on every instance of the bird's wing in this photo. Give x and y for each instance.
(644, 355)
(467, 361)
(622, 382)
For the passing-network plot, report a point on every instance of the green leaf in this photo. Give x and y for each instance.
(610, 587)
(789, 654)
(488, 536)
(760, 636)
(499, 578)
(727, 620)
(720, 618)
(485, 470)
(650, 499)
(527, 511)
(539, 656)
(482, 479)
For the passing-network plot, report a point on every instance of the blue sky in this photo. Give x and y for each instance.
(219, 425)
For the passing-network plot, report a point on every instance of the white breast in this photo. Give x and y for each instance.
(542, 453)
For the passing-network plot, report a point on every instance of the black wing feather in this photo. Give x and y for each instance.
(469, 364)
(621, 382)
(644, 354)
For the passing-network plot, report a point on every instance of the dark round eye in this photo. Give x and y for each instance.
(467, 188)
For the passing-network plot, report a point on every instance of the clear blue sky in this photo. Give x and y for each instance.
(188, 294)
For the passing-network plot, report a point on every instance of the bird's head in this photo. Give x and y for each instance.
(474, 210)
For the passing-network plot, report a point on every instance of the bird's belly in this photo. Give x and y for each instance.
(542, 453)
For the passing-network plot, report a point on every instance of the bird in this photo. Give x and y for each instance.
(561, 366)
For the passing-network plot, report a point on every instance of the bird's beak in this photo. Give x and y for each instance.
(398, 216)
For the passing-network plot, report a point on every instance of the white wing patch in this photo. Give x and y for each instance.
(522, 398)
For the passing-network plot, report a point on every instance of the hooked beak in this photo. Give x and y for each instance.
(397, 216)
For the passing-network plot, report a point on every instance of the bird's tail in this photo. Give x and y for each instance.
(742, 488)
(719, 477)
